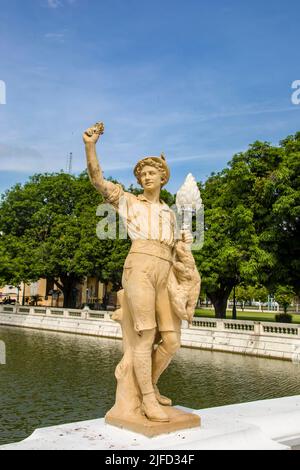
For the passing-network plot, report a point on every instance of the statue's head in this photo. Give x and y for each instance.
(157, 163)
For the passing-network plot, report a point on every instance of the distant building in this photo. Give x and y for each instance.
(46, 293)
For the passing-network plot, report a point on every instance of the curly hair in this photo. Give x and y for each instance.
(150, 162)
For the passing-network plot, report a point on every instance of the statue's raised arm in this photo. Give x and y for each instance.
(90, 138)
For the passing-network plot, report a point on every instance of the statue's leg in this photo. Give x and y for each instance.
(169, 327)
(142, 363)
(140, 293)
(162, 357)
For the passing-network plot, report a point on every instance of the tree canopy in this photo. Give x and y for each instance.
(252, 221)
(48, 229)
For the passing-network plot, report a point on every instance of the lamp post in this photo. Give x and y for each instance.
(237, 280)
(234, 305)
(23, 296)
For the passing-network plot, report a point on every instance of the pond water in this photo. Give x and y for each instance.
(53, 378)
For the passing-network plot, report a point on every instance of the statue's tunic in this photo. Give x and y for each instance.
(152, 229)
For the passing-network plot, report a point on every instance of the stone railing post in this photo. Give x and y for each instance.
(220, 324)
(257, 328)
(84, 314)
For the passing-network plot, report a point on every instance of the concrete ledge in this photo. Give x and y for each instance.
(260, 425)
(97, 327)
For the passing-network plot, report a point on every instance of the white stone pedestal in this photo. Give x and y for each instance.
(269, 424)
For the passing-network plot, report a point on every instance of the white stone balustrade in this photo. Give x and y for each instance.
(265, 339)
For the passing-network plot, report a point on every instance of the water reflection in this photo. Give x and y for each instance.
(52, 378)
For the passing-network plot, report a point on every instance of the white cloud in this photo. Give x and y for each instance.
(59, 3)
(54, 3)
(13, 158)
(55, 37)
(244, 112)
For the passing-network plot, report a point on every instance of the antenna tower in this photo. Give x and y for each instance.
(69, 163)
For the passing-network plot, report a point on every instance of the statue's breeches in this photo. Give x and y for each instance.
(144, 281)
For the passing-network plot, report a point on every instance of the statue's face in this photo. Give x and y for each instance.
(150, 178)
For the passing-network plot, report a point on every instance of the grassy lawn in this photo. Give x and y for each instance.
(254, 316)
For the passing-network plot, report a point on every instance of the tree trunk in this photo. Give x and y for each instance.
(105, 296)
(219, 300)
(67, 285)
(68, 300)
(220, 306)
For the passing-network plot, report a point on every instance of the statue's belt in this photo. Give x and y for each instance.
(153, 248)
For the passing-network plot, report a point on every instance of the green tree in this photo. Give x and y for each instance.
(243, 294)
(252, 213)
(48, 231)
(274, 197)
(13, 265)
(284, 295)
(231, 253)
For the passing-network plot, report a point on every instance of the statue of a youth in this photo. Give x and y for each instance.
(146, 269)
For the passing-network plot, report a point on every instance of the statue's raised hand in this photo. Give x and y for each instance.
(92, 134)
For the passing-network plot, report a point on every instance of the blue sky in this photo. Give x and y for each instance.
(196, 79)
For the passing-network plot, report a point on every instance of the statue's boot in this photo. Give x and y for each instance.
(142, 367)
(152, 408)
(162, 399)
(161, 360)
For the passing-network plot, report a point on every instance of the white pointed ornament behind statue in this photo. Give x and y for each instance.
(188, 201)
